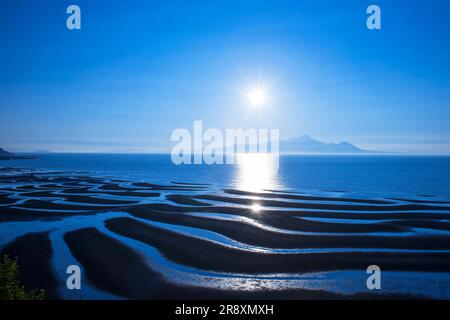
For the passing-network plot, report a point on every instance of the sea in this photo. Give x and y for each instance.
(328, 197)
(373, 175)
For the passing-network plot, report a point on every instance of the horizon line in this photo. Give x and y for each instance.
(378, 153)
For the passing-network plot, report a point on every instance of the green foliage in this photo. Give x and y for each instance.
(10, 286)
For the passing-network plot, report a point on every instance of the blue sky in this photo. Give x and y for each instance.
(140, 69)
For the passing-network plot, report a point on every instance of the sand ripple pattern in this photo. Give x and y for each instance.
(143, 240)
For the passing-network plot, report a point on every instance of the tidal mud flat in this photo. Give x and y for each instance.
(139, 240)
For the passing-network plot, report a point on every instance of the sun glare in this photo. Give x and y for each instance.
(256, 207)
(257, 96)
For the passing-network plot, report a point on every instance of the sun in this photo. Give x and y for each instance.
(257, 96)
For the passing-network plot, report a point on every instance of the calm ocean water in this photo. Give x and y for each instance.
(360, 175)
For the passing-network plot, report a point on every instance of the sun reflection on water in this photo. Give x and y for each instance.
(257, 172)
(256, 207)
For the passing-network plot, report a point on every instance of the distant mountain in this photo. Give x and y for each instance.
(5, 153)
(306, 144)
